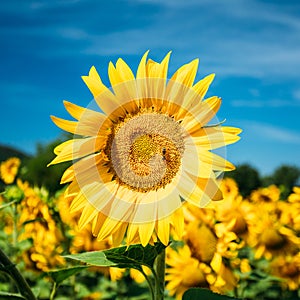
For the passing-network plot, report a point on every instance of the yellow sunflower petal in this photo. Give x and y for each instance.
(217, 162)
(199, 191)
(94, 82)
(118, 235)
(124, 85)
(105, 99)
(216, 137)
(177, 220)
(132, 233)
(66, 125)
(76, 148)
(121, 73)
(186, 74)
(68, 175)
(163, 230)
(74, 110)
(145, 231)
(72, 190)
(109, 227)
(59, 148)
(158, 70)
(197, 167)
(88, 214)
(201, 87)
(141, 71)
(200, 114)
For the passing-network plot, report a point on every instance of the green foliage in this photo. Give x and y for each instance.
(247, 178)
(258, 283)
(10, 296)
(59, 276)
(13, 194)
(7, 152)
(37, 173)
(133, 256)
(197, 293)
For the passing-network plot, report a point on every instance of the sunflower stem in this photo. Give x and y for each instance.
(8, 267)
(15, 226)
(150, 283)
(160, 266)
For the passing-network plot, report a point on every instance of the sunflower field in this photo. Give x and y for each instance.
(246, 247)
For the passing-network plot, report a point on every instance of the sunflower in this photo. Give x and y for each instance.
(236, 214)
(272, 237)
(266, 195)
(229, 188)
(184, 271)
(9, 169)
(287, 268)
(37, 225)
(291, 214)
(212, 244)
(147, 148)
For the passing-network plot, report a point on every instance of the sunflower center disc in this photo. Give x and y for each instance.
(146, 151)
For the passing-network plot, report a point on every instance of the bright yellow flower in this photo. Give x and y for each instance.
(237, 215)
(229, 188)
(9, 169)
(267, 194)
(211, 243)
(295, 196)
(37, 224)
(216, 239)
(184, 271)
(137, 276)
(287, 268)
(291, 213)
(242, 264)
(148, 148)
(273, 237)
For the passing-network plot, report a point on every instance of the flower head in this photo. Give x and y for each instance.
(272, 237)
(147, 149)
(287, 268)
(185, 271)
(9, 169)
(37, 224)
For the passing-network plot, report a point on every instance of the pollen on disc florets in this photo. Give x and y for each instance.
(145, 150)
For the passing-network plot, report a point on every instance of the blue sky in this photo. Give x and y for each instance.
(253, 46)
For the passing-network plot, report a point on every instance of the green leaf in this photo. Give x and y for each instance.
(10, 296)
(60, 275)
(197, 293)
(123, 257)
